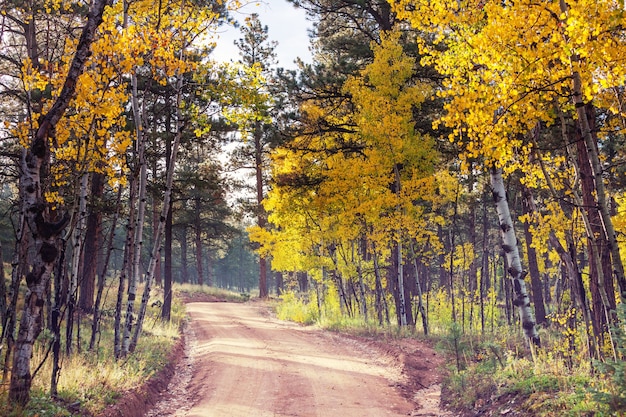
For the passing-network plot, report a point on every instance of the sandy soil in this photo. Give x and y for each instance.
(239, 361)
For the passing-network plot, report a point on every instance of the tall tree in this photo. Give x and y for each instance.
(44, 229)
(254, 117)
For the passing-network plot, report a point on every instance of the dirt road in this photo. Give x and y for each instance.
(240, 362)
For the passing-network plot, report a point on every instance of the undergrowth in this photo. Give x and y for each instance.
(91, 380)
(200, 291)
(492, 370)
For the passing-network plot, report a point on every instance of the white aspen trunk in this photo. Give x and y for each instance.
(141, 210)
(161, 225)
(44, 233)
(509, 245)
(77, 249)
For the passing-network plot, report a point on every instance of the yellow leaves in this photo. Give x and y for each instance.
(144, 38)
(343, 188)
(31, 78)
(508, 64)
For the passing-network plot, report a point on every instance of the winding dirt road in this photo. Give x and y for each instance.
(241, 362)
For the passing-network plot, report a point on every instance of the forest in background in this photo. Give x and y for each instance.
(450, 167)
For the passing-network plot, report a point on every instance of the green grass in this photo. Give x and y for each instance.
(191, 291)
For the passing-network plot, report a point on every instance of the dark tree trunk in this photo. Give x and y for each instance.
(279, 283)
(167, 275)
(183, 255)
(261, 215)
(55, 324)
(93, 238)
(95, 325)
(598, 281)
(444, 279)
(198, 227)
(3, 294)
(533, 266)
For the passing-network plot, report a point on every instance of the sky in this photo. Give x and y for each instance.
(286, 24)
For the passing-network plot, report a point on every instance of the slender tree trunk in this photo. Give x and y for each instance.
(95, 325)
(3, 294)
(444, 279)
(55, 326)
(420, 303)
(261, 215)
(509, 245)
(199, 243)
(601, 284)
(183, 255)
(78, 238)
(155, 206)
(140, 216)
(363, 303)
(401, 298)
(126, 261)
(381, 301)
(484, 271)
(597, 171)
(18, 265)
(210, 268)
(533, 266)
(452, 240)
(164, 213)
(167, 282)
(44, 232)
(93, 239)
(593, 254)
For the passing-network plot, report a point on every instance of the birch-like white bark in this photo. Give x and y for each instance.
(44, 233)
(164, 212)
(77, 249)
(511, 251)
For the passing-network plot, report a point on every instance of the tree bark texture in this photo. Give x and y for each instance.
(140, 217)
(93, 239)
(533, 266)
(597, 171)
(261, 215)
(95, 324)
(43, 229)
(167, 274)
(165, 211)
(78, 237)
(3, 294)
(601, 281)
(514, 264)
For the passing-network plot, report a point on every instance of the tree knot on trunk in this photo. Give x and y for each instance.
(50, 229)
(48, 252)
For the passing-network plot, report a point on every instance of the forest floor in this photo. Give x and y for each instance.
(238, 360)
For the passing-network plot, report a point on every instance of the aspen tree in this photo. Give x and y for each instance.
(44, 231)
(509, 66)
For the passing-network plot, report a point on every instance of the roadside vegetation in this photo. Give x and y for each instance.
(494, 372)
(90, 380)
